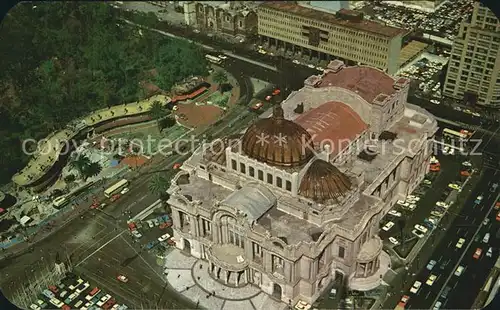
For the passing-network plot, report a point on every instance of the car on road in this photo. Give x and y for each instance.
(164, 237)
(122, 278)
(268, 98)
(295, 61)
(427, 182)
(489, 253)
(445, 292)
(320, 69)
(222, 56)
(478, 200)
(403, 301)
(125, 190)
(430, 281)
(416, 286)
(311, 66)
(435, 101)
(388, 226)
(176, 166)
(437, 305)
(498, 216)
(94, 205)
(497, 205)
(436, 213)
(421, 228)
(477, 253)
(257, 106)
(460, 243)
(431, 264)
(114, 197)
(486, 221)
(467, 164)
(459, 271)
(454, 186)
(276, 92)
(393, 240)
(418, 233)
(486, 238)
(395, 213)
(465, 173)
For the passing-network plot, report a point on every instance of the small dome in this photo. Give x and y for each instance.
(277, 141)
(323, 182)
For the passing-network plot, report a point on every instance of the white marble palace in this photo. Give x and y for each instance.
(295, 201)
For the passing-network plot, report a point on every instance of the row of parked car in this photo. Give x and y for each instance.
(73, 292)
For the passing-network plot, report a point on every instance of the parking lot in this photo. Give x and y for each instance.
(74, 292)
(443, 22)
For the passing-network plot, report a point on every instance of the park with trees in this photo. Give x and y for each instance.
(62, 60)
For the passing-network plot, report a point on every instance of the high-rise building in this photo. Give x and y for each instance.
(345, 34)
(474, 67)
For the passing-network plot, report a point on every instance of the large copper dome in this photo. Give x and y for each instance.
(323, 182)
(277, 141)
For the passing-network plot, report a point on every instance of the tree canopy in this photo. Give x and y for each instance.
(61, 60)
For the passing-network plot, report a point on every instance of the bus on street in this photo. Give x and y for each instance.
(213, 59)
(116, 188)
(462, 135)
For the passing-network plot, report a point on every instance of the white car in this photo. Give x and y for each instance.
(420, 228)
(223, 57)
(437, 305)
(196, 31)
(103, 300)
(394, 213)
(150, 224)
(164, 237)
(434, 160)
(459, 271)
(489, 253)
(388, 226)
(418, 233)
(413, 199)
(124, 191)
(393, 240)
(436, 213)
(460, 243)
(435, 101)
(431, 279)
(320, 69)
(35, 307)
(263, 52)
(136, 234)
(295, 61)
(442, 204)
(416, 286)
(311, 66)
(467, 164)
(412, 206)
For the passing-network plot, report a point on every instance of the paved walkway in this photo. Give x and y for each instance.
(189, 276)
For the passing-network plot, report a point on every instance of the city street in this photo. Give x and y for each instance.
(467, 225)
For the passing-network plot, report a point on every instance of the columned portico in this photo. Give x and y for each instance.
(228, 264)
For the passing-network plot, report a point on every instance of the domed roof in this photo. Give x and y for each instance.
(277, 141)
(323, 182)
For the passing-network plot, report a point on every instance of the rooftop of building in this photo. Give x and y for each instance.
(367, 82)
(359, 24)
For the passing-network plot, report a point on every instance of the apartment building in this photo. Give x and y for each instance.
(344, 35)
(474, 68)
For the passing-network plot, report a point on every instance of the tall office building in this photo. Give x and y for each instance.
(345, 34)
(474, 67)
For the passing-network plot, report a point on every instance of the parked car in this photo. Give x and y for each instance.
(431, 264)
(395, 213)
(418, 233)
(122, 278)
(437, 305)
(403, 301)
(388, 226)
(163, 237)
(430, 281)
(486, 238)
(393, 240)
(445, 292)
(436, 213)
(416, 287)
(421, 228)
(489, 253)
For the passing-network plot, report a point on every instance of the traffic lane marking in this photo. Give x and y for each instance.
(101, 247)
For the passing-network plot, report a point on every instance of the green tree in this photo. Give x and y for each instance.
(92, 170)
(157, 112)
(80, 164)
(70, 178)
(220, 77)
(158, 184)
